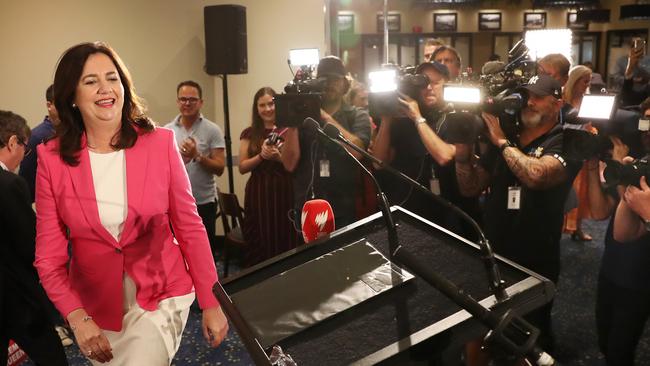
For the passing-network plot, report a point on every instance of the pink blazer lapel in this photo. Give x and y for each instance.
(82, 182)
(136, 168)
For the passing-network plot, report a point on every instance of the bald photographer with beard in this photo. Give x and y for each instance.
(415, 145)
(528, 181)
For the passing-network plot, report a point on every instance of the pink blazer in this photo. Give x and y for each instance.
(161, 264)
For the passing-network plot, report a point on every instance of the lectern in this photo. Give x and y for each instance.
(401, 323)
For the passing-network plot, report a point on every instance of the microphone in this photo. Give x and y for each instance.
(311, 123)
(333, 132)
(336, 137)
(316, 220)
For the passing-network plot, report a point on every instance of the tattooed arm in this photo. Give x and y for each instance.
(535, 173)
(472, 178)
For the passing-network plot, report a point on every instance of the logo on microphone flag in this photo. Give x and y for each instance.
(316, 219)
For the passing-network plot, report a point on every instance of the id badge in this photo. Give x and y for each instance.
(434, 186)
(324, 168)
(644, 124)
(514, 198)
(434, 182)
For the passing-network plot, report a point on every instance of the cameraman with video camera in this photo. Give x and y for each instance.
(321, 169)
(528, 181)
(415, 145)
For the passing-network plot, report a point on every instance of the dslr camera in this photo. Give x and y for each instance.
(626, 174)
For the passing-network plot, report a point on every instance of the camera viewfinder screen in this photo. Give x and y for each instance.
(597, 106)
(459, 94)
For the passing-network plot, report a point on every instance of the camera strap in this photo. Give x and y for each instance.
(440, 123)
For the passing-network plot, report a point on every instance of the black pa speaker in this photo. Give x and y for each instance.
(593, 15)
(635, 12)
(226, 50)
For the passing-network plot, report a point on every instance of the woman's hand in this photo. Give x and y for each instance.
(638, 198)
(270, 152)
(90, 338)
(620, 150)
(215, 325)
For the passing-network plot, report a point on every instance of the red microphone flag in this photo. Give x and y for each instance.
(317, 219)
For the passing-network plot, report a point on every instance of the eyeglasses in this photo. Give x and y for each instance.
(27, 149)
(190, 100)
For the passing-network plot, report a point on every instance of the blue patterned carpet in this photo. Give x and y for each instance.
(574, 318)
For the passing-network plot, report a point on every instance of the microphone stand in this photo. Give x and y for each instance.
(497, 285)
(509, 332)
(393, 243)
(403, 325)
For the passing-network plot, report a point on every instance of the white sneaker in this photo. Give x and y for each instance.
(63, 334)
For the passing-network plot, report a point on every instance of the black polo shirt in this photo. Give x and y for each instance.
(341, 187)
(531, 235)
(412, 158)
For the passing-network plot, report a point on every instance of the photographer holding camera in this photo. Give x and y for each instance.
(623, 297)
(321, 169)
(528, 181)
(415, 145)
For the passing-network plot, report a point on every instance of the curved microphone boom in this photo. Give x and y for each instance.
(497, 285)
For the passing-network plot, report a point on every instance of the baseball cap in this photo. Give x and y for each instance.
(544, 85)
(440, 68)
(330, 66)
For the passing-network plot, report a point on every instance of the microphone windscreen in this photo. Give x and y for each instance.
(331, 131)
(492, 67)
(310, 123)
(316, 220)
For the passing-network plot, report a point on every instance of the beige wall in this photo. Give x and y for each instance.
(162, 43)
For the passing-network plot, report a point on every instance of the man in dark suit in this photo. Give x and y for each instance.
(23, 317)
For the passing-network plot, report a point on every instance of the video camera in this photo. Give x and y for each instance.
(579, 144)
(495, 92)
(302, 95)
(386, 86)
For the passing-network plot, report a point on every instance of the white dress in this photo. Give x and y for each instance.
(147, 337)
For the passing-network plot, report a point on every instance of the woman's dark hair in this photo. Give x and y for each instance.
(257, 124)
(71, 128)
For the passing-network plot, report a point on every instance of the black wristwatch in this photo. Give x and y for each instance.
(507, 143)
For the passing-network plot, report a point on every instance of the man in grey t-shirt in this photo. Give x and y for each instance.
(201, 144)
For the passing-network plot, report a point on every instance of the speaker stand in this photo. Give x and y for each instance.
(226, 127)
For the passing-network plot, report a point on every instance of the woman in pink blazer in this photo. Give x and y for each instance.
(111, 184)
